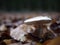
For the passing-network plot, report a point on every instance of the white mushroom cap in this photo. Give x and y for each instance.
(39, 18)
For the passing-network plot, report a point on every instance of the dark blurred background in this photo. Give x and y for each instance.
(30, 5)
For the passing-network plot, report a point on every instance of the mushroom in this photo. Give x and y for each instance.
(42, 21)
